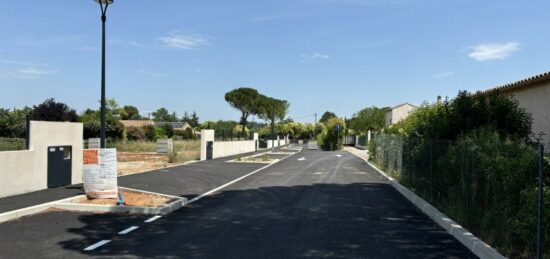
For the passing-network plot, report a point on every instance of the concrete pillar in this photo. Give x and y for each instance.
(368, 137)
(206, 135)
(256, 141)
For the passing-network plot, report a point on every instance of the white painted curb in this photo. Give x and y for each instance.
(476, 245)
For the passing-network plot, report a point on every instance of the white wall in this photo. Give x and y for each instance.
(398, 113)
(26, 171)
(226, 148)
(535, 99)
(229, 148)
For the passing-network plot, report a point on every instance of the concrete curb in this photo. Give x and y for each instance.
(72, 205)
(15, 214)
(476, 245)
(69, 204)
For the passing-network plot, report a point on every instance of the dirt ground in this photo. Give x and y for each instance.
(133, 199)
(137, 162)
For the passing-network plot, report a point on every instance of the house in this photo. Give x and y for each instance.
(532, 94)
(175, 125)
(136, 123)
(398, 113)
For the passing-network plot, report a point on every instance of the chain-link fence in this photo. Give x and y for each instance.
(12, 144)
(487, 184)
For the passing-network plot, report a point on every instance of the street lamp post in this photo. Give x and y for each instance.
(103, 4)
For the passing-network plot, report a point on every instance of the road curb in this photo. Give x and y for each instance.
(73, 205)
(68, 204)
(469, 240)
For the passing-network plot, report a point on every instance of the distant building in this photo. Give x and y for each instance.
(533, 94)
(398, 113)
(176, 125)
(136, 123)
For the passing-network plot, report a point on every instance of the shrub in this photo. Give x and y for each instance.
(482, 181)
(134, 133)
(168, 129)
(91, 129)
(159, 133)
(114, 131)
(328, 139)
(148, 132)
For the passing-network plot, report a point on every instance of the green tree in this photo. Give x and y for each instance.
(130, 113)
(245, 100)
(330, 137)
(50, 110)
(194, 121)
(271, 110)
(163, 115)
(326, 116)
(370, 118)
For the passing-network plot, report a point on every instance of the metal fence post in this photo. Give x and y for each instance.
(540, 202)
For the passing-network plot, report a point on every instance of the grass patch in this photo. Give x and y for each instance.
(184, 150)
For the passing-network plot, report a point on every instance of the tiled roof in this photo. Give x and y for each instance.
(399, 105)
(518, 84)
(136, 123)
(176, 125)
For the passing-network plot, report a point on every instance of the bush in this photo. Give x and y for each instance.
(148, 132)
(168, 129)
(91, 129)
(467, 112)
(114, 131)
(134, 133)
(328, 139)
(483, 181)
(159, 133)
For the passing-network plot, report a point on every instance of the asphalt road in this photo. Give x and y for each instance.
(322, 206)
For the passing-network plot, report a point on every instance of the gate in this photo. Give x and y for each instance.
(209, 149)
(59, 166)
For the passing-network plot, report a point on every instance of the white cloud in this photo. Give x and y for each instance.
(12, 69)
(133, 43)
(150, 73)
(442, 75)
(489, 51)
(180, 41)
(315, 55)
(25, 73)
(19, 63)
(33, 72)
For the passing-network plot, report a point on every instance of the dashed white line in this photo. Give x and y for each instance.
(152, 219)
(96, 245)
(128, 230)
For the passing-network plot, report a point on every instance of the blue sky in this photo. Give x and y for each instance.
(337, 55)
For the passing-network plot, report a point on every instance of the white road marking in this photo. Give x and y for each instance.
(128, 230)
(152, 219)
(339, 155)
(96, 245)
(232, 182)
(301, 159)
